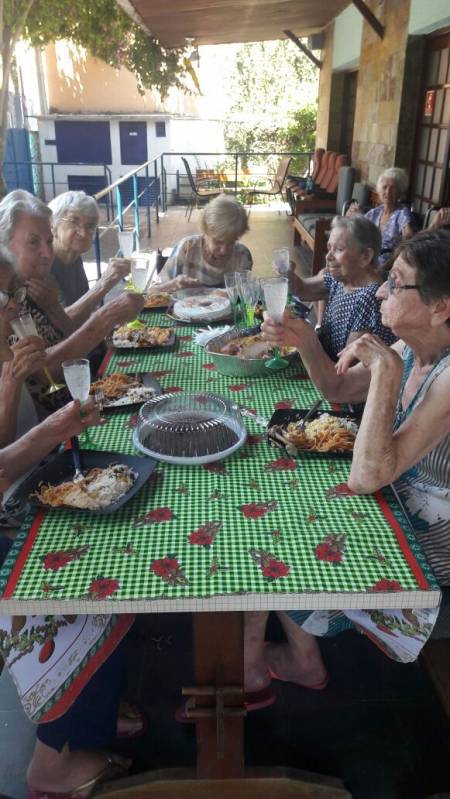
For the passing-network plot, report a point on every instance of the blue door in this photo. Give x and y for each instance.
(79, 142)
(133, 142)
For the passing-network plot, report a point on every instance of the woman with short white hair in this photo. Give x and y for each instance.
(393, 217)
(203, 259)
(74, 222)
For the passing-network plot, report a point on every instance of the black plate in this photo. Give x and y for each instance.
(169, 343)
(60, 469)
(285, 417)
(146, 380)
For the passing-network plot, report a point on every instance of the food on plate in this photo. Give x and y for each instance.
(142, 337)
(327, 433)
(157, 300)
(122, 389)
(247, 347)
(202, 306)
(98, 489)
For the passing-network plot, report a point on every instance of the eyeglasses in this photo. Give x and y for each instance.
(88, 227)
(18, 296)
(392, 286)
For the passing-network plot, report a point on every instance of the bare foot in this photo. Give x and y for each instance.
(130, 720)
(63, 772)
(306, 670)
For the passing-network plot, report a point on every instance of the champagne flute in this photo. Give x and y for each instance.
(275, 294)
(231, 285)
(25, 326)
(126, 242)
(280, 263)
(77, 374)
(241, 279)
(139, 280)
(250, 295)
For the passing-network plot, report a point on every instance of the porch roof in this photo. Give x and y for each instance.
(225, 21)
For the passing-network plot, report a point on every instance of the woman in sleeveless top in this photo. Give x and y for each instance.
(404, 438)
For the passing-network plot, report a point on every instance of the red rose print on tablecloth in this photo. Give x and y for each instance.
(132, 422)
(299, 376)
(57, 560)
(186, 337)
(169, 570)
(235, 387)
(155, 516)
(205, 535)
(103, 587)
(338, 491)
(284, 405)
(161, 373)
(281, 465)
(210, 366)
(271, 567)
(252, 440)
(184, 354)
(217, 467)
(255, 510)
(172, 389)
(331, 549)
(386, 585)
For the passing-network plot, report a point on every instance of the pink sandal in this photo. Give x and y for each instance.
(115, 767)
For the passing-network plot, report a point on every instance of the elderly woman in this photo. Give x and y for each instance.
(74, 222)
(348, 284)
(204, 259)
(404, 438)
(393, 218)
(25, 231)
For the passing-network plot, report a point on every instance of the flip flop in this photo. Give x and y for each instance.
(253, 700)
(115, 767)
(136, 714)
(317, 686)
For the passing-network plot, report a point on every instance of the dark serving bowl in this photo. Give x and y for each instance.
(60, 469)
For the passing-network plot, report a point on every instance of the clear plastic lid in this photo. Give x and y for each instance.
(189, 428)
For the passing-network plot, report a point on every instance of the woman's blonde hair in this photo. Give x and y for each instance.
(224, 218)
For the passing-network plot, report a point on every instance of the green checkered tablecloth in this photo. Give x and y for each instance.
(257, 530)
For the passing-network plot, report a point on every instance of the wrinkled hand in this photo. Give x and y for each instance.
(117, 269)
(371, 352)
(43, 291)
(354, 209)
(71, 420)
(126, 307)
(290, 332)
(29, 357)
(185, 282)
(441, 219)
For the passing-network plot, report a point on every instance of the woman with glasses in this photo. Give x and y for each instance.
(74, 223)
(403, 438)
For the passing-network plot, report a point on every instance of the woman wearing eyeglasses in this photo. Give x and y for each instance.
(74, 222)
(404, 439)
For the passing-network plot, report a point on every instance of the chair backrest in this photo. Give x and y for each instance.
(345, 184)
(429, 216)
(341, 160)
(317, 161)
(330, 170)
(282, 170)
(189, 174)
(323, 166)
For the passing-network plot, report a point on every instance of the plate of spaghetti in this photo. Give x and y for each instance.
(120, 388)
(328, 434)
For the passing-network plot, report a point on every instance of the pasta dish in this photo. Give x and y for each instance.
(122, 389)
(143, 337)
(325, 434)
(98, 489)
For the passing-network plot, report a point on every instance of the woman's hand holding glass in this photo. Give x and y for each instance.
(23, 327)
(275, 295)
(77, 374)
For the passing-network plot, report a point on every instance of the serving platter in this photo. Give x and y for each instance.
(131, 397)
(131, 345)
(194, 294)
(282, 418)
(235, 366)
(59, 469)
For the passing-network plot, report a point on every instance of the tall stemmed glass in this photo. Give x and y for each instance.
(77, 374)
(126, 242)
(139, 280)
(275, 294)
(241, 280)
(250, 294)
(25, 326)
(232, 288)
(280, 262)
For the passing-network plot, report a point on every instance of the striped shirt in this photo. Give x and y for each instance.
(188, 258)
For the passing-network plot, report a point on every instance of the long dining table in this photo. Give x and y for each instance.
(261, 530)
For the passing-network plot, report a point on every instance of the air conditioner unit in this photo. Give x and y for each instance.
(316, 41)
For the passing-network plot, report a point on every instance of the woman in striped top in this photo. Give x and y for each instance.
(404, 438)
(204, 259)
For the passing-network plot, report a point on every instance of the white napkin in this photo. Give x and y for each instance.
(204, 335)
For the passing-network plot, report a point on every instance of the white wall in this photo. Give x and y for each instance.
(347, 39)
(426, 16)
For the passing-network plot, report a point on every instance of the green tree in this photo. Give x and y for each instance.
(98, 25)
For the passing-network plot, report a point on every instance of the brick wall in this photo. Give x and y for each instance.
(380, 90)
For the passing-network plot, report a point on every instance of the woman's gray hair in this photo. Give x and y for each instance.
(224, 218)
(363, 232)
(77, 202)
(7, 258)
(15, 203)
(400, 177)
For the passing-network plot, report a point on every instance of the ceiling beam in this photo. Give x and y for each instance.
(370, 17)
(316, 61)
